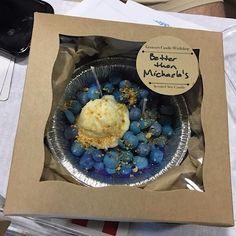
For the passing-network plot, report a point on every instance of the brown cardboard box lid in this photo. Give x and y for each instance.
(27, 195)
(3, 226)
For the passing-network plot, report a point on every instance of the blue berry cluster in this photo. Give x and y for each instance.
(142, 146)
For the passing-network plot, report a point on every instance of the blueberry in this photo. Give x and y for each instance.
(90, 150)
(111, 160)
(110, 171)
(142, 138)
(113, 153)
(93, 93)
(155, 129)
(167, 130)
(128, 133)
(126, 169)
(99, 166)
(153, 146)
(108, 88)
(156, 155)
(145, 123)
(83, 98)
(166, 110)
(135, 114)
(124, 83)
(126, 156)
(141, 162)
(86, 162)
(69, 116)
(75, 107)
(97, 155)
(143, 149)
(119, 97)
(121, 144)
(135, 127)
(130, 140)
(160, 141)
(115, 78)
(70, 133)
(77, 149)
(143, 93)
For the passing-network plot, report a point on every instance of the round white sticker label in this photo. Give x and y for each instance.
(167, 65)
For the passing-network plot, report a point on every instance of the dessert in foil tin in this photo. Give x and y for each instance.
(116, 131)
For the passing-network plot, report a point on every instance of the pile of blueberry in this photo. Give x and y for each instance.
(141, 147)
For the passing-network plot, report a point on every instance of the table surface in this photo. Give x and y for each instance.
(9, 118)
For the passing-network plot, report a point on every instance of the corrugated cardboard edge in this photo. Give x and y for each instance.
(3, 226)
(26, 195)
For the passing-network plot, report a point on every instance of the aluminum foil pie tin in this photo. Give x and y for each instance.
(174, 152)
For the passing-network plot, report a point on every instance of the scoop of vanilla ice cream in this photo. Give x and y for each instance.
(102, 122)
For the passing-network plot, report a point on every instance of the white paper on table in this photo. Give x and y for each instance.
(4, 67)
(10, 110)
(115, 10)
(62, 6)
(153, 17)
(5, 91)
(112, 10)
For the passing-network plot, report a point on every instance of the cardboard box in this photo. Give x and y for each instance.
(26, 195)
(4, 223)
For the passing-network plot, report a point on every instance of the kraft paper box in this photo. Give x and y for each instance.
(4, 223)
(28, 195)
